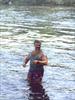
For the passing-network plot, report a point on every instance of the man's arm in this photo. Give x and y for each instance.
(44, 61)
(27, 58)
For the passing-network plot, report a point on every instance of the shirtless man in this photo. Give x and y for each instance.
(37, 61)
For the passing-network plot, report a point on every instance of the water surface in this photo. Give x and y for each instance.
(55, 27)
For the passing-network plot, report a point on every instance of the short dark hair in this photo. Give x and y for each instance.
(37, 41)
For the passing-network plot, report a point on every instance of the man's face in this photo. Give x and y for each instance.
(37, 45)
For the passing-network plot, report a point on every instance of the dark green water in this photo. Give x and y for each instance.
(55, 27)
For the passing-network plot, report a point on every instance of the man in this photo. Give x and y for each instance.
(37, 61)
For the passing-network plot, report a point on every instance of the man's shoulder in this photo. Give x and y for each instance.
(33, 52)
(43, 54)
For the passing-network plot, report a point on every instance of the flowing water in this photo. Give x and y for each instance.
(55, 27)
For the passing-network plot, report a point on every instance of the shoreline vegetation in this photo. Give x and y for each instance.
(38, 2)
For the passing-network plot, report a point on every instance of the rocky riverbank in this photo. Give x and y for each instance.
(39, 2)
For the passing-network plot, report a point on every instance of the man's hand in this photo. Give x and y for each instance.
(24, 65)
(35, 62)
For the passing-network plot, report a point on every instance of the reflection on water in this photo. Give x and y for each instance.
(37, 92)
(55, 27)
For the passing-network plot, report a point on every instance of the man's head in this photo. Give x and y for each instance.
(37, 44)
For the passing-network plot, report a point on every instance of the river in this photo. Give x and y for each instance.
(55, 27)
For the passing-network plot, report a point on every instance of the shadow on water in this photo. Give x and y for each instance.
(37, 92)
